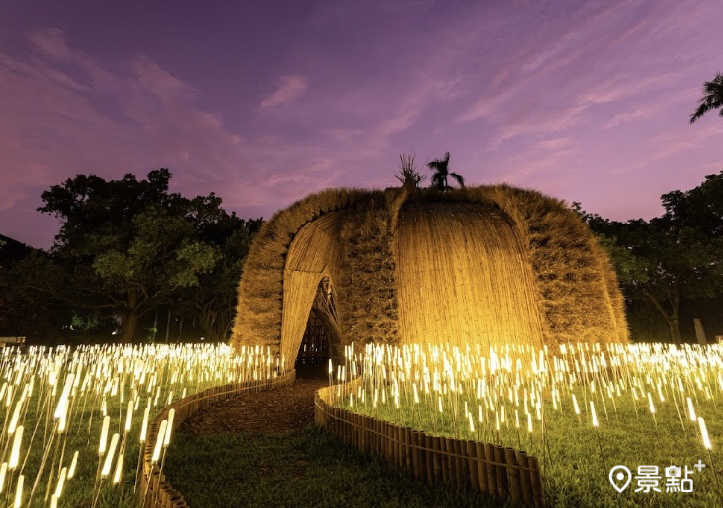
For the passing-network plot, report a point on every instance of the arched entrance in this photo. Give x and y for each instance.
(321, 335)
(309, 320)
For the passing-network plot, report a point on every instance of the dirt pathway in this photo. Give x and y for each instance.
(280, 410)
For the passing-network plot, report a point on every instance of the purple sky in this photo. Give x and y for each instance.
(265, 102)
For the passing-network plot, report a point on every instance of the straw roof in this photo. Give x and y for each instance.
(486, 265)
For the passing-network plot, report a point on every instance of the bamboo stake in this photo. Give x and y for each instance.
(462, 460)
(492, 471)
(525, 479)
(430, 465)
(513, 475)
(536, 481)
(482, 468)
(416, 462)
(437, 459)
(472, 464)
(408, 453)
(443, 459)
(501, 473)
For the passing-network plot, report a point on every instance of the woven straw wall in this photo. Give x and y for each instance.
(576, 285)
(463, 277)
(368, 295)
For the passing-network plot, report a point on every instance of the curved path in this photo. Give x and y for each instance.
(258, 450)
(278, 410)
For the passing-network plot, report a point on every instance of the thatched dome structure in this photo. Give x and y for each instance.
(487, 265)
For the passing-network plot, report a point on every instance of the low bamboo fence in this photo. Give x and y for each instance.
(507, 474)
(155, 491)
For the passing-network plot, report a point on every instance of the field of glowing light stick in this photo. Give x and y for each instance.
(73, 420)
(581, 411)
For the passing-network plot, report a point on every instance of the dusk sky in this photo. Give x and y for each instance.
(265, 102)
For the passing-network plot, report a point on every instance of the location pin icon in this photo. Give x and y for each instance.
(620, 477)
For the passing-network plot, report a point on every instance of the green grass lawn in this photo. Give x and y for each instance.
(108, 378)
(575, 456)
(82, 435)
(313, 468)
(304, 468)
(576, 459)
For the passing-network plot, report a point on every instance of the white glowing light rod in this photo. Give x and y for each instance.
(15, 453)
(19, 491)
(73, 464)
(63, 402)
(104, 436)
(159, 441)
(109, 459)
(61, 481)
(3, 472)
(169, 428)
(704, 433)
(144, 425)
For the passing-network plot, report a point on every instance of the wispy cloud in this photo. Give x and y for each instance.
(66, 112)
(159, 82)
(671, 146)
(528, 99)
(51, 43)
(559, 98)
(628, 116)
(288, 88)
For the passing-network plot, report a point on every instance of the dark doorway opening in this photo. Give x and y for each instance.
(321, 335)
(312, 359)
(315, 344)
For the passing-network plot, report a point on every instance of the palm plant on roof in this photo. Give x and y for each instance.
(441, 172)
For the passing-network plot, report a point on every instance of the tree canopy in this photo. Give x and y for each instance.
(131, 246)
(672, 257)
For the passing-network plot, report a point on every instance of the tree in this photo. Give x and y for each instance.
(213, 299)
(712, 98)
(131, 245)
(673, 262)
(701, 207)
(670, 258)
(12, 250)
(441, 172)
(26, 307)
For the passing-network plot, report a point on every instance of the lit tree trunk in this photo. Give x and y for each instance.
(130, 318)
(671, 317)
(674, 325)
(215, 323)
(208, 324)
(130, 322)
(180, 330)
